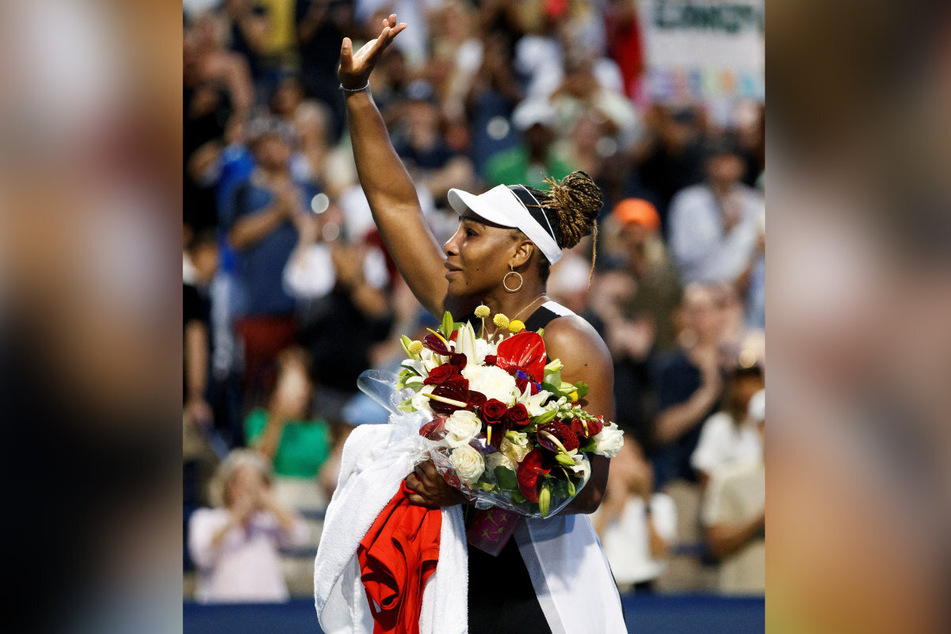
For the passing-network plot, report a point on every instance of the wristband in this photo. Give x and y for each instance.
(345, 89)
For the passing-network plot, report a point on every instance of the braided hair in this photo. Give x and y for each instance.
(572, 206)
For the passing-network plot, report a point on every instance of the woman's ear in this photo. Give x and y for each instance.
(523, 253)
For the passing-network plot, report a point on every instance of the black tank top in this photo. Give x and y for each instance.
(501, 596)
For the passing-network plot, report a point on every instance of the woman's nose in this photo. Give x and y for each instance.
(450, 247)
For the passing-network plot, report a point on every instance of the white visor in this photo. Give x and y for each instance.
(503, 207)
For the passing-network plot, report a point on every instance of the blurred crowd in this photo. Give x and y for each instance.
(289, 293)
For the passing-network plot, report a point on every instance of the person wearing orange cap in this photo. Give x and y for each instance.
(657, 290)
(639, 290)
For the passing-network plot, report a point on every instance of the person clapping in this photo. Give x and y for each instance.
(236, 544)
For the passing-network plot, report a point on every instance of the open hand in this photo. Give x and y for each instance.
(355, 68)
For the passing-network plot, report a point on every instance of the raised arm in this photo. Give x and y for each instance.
(387, 185)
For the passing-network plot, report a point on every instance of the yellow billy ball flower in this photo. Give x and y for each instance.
(416, 347)
(482, 311)
(500, 320)
(516, 326)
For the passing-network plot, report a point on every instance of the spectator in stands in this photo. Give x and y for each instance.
(248, 23)
(286, 433)
(199, 263)
(731, 436)
(755, 284)
(320, 162)
(636, 526)
(419, 139)
(635, 300)
(671, 155)
(340, 329)
(641, 251)
(689, 384)
(526, 163)
(492, 95)
(263, 233)
(217, 96)
(734, 514)
(321, 26)
(714, 225)
(344, 306)
(235, 545)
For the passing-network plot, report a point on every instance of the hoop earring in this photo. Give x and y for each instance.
(520, 281)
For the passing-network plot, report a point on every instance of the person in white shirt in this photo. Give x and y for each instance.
(731, 436)
(236, 544)
(734, 515)
(636, 527)
(714, 226)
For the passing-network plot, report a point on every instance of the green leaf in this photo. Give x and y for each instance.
(589, 446)
(545, 418)
(506, 478)
(552, 379)
(447, 325)
(582, 388)
(407, 406)
(552, 387)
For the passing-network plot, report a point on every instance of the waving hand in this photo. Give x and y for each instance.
(355, 68)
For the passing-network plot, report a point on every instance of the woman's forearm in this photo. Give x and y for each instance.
(384, 178)
(395, 207)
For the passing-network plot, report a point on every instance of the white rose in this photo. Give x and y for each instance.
(462, 427)
(499, 459)
(609, 441)
(421, 403)
(515, 446)
(468, 464)
(492, 381)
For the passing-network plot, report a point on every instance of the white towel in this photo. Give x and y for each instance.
(376, 459)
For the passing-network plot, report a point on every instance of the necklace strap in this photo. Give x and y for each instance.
(527, 305)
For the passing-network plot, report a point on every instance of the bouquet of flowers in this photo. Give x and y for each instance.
(505, 429)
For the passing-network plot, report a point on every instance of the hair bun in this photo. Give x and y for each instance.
(577, 202)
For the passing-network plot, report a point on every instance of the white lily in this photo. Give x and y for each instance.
(466, 343)
(534, 403)
(415, 366)
(429, 360)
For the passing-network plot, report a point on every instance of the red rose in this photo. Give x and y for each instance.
(493, 411)
(561, 431)
(517, 416)
(529, 473)
(441, 374)
(490, 359)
